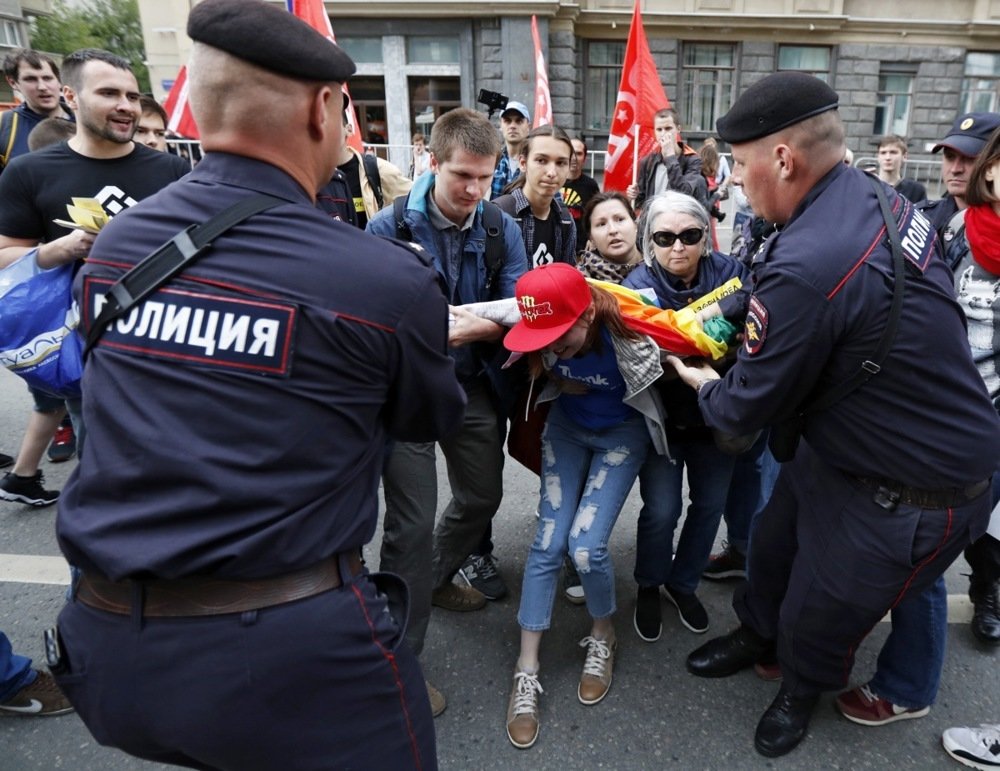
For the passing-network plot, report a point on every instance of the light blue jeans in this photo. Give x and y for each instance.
(586, 477)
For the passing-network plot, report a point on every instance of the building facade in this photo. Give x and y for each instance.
(15, 17)
(905, 68)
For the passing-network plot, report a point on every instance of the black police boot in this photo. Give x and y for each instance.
(728, 654)
(784, 724)
(985, 596)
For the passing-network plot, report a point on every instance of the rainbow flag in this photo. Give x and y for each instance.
(676, 331)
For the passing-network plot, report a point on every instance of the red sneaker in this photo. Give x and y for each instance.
(861, 705)
(63, 445)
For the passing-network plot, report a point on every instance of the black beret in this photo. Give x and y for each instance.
(774, 103)
(270, 37)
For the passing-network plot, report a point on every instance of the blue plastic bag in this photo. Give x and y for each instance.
(38, 337)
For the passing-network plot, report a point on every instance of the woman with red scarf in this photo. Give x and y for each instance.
(977, 285)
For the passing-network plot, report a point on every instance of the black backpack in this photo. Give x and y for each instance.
(492, 221)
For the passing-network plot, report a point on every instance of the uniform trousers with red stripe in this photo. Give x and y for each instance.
(319, 683)
(827, 563)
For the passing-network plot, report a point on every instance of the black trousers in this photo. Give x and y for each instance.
(827, 563)
(321, 683)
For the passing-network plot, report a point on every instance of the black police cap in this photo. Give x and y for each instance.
(270, 37)
(774, 103)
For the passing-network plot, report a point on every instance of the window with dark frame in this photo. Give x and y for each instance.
(812, 59)
(981, 84)
(604, 60)
(894, 98)
(708, 84)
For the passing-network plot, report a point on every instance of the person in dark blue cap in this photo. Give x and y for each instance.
(240, 416)
(961, 145)
(877, 494)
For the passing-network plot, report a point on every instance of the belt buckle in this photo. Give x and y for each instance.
(886, 498)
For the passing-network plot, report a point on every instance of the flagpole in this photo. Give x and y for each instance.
(635, 154)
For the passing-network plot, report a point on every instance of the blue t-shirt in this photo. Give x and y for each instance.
(601, 405)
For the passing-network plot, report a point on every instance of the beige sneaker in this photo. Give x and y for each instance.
(597, 669)
(438, 702)
(458, 598)
(522, 710)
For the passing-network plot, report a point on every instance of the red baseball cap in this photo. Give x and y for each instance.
(550, 299)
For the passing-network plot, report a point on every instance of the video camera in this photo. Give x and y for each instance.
(493, 100)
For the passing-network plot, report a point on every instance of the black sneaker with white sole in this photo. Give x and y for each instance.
(692, 613)
(27, 490)
(648, 618)
(481, 573)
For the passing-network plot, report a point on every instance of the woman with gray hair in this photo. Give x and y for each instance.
(680, 266)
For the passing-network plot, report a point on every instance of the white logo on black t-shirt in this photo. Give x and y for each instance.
(114, 199)
(542, 256)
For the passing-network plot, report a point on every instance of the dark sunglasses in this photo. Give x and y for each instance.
(688, 237)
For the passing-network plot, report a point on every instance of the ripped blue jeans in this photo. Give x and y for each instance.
(586, 477)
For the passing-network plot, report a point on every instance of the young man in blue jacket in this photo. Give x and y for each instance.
(445, 214)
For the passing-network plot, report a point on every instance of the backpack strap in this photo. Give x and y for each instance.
(374, 177)
(565, 220)
(8, 132)
(398, 208)
(495, 247)
(170, 259)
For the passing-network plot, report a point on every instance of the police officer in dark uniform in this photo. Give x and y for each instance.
(240, 414)
(965, 140)
(882, 493)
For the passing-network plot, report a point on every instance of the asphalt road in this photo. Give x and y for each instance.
(655, 716)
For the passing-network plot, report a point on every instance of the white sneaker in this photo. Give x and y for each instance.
(974, 747)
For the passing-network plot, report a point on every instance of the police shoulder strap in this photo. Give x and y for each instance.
(872, 365)
(785, 435)
(170, 259)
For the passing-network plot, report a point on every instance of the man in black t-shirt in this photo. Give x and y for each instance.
(101, 161)
(579, 189)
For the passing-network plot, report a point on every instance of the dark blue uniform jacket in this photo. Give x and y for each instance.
(822, 293)
(237, 419)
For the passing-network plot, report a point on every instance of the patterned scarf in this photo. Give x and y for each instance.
(982, 228)
(593, 265)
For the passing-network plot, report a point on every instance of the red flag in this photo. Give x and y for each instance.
(181, 121)
(313, 13)
(543, 101)
(640, 95)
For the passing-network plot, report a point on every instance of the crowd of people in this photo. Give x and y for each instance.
(844, 494)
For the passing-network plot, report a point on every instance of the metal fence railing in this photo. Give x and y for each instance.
(926, 170)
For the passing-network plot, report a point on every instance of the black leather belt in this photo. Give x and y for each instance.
(889, 493)
(204, 596)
